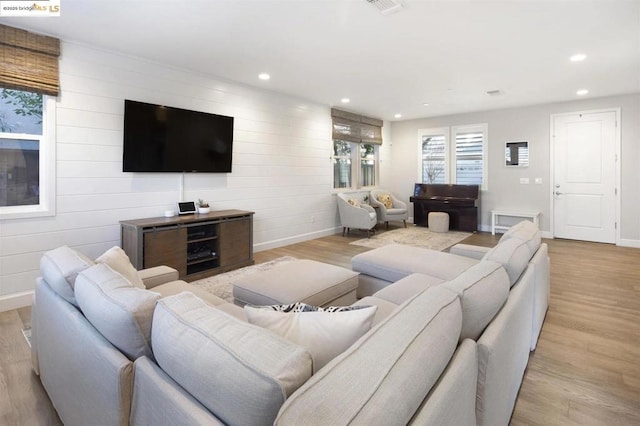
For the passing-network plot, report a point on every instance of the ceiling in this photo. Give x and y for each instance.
(445, 53)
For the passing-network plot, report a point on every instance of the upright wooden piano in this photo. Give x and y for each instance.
(459, 201)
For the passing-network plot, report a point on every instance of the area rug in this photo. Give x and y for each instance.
(222, 285)
(417, 236)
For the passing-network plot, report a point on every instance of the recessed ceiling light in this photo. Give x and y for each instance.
(264, 76)
(425, 104)
(345, 100)
(398, 116)
(582, 92)
(578, 57)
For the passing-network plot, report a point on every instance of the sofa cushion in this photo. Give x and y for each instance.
(118, 260)
(324, 332)
(60, 267)
(395, 261)
(385, 308)
(513, 254)
(240, 372)
(404, 289)
(525, 231)
(120, 312)
(376, 381)
(483, 289)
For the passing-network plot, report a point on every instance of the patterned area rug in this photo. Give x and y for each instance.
(417, 236)
(222, 285)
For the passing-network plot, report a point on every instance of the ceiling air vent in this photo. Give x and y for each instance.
(494, 92)
(386, 7)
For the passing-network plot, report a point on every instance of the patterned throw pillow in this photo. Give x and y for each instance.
(324, 332)
(353, 202)
(303, 307)
(386, 200)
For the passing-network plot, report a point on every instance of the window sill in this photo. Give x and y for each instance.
(25, 212)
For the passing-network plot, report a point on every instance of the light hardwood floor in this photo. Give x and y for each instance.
(585, 370)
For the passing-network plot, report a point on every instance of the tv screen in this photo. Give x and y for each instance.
(165, 139)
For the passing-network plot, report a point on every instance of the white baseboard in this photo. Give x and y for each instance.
(629, 243)
(295, 239)
(15, 301)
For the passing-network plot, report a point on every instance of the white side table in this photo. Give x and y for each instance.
(495, 215)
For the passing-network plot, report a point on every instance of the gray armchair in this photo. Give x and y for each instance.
(362, 216)
(398, 210)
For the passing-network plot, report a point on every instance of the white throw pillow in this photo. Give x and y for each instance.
(324, 332)
(118, 260)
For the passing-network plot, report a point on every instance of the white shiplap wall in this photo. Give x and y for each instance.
(281, 167)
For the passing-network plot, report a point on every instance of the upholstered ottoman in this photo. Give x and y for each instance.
(307, 281)
(438, 221)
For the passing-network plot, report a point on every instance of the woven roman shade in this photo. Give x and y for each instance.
(351, 127)
(28, 61)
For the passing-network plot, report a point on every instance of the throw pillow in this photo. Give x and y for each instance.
(118, 260)
(353, 202)
(60, 267)
(386, 200)
(324, 332)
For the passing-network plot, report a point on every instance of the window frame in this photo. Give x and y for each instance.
(449, 134)
(356, 162)
(47, 164)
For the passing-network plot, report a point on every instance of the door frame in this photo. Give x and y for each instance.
(552, 165)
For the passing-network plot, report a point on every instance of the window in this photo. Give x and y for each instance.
(367, 164)
(463, 163)
(341, 164)
(26, 154)
(356, 141)
(433, 164)
(348, 168)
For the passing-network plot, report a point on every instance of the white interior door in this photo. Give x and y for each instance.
(584, 187)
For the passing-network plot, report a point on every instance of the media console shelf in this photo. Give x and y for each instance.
(197, 245)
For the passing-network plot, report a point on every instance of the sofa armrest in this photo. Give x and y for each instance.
(468, 250)
(375, 203)
(157, 275)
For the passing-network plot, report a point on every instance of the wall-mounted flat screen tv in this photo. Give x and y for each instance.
(165, 139)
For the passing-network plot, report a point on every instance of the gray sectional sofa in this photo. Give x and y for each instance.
(441, 351)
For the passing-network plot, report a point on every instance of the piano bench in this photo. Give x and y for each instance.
(438, 222)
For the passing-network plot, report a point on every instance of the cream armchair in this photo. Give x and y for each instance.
(360, 216)
(397, 210)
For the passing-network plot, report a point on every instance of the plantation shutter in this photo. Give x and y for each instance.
(29, 61)
(433, 159)
(469, 157)
(356, 128)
